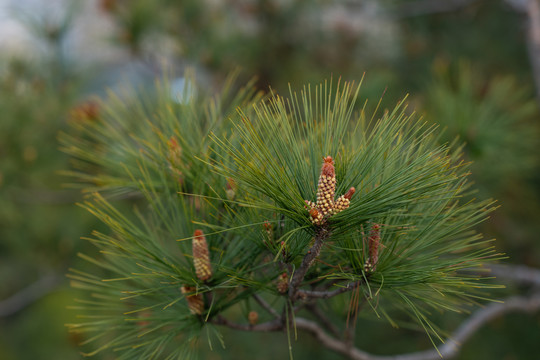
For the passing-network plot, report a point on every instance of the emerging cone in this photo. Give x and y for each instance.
(374, 242)
(195, 301)
(201, 256)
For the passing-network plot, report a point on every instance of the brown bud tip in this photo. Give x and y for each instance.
(350, 193)
(86, 111)
(231, 184)
(283, 283)
(173, 143)
(253, 317)
(328, 167)
(198, 233)
(267, 225)
(314, 213)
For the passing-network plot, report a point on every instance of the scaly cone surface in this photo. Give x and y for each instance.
(201, 256)
(326, 189)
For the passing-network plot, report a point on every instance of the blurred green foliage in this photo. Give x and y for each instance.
(39, 225)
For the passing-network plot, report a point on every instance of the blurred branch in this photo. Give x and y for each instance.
(533, 41)
(517, 273)
(266, 305)
(29, 295)
(532, 9)
(45, 196)
(426, 7)
(329, 294)
(316, 311)
(448, 350)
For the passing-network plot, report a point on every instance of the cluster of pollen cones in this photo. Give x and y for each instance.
(326, 204)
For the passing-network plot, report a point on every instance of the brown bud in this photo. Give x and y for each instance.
(144, 315)
(86, 111)
(231, 189)
(108, 5)
(201, 256)
(316, 216)
(195, 301)
(374, 242)
(253, 317)
(283, 283)
(350, 193)
(269, 233)
(267, 225)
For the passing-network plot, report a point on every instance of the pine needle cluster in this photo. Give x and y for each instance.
(221, 193)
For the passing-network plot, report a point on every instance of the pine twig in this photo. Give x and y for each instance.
(266, 305)
(321, 235)
(315, 310)
(329, 294)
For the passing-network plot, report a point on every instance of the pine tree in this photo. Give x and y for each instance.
(286, 203)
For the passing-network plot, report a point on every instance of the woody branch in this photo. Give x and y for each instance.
(463, 333)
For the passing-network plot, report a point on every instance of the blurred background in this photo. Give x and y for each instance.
(472, 66)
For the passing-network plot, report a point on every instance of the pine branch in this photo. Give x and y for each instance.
(520, 273)
(329, 294)
(448, 350)
(329, 342)
(321, 235)
(273, 177)
(315, 310)
(266, 305)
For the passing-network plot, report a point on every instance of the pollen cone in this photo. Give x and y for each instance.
(327, 187)
(201, 256)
